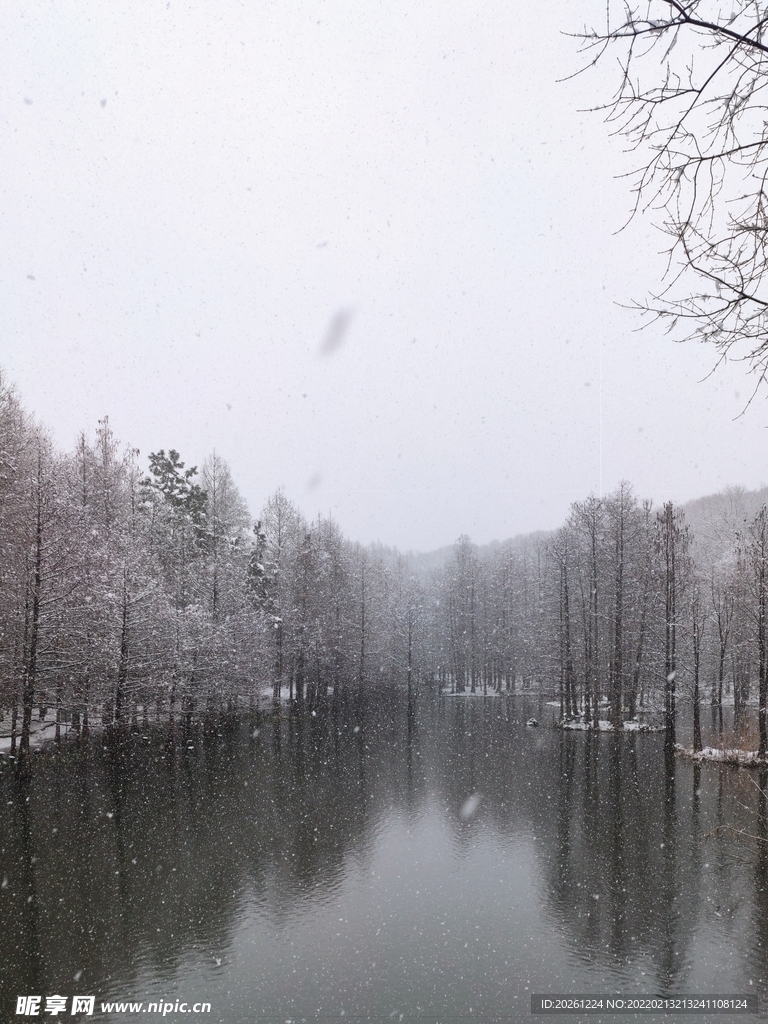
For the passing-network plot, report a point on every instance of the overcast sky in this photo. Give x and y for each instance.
(366, 251)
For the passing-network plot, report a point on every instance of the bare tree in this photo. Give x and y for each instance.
(562, 554)
(588, 524)
(723, 607)
(672, 542)
(690, 102)
(698, 624)
(757, 556)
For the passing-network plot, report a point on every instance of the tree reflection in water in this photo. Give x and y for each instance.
(136, 862)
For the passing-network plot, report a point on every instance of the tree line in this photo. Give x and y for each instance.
(129, 597)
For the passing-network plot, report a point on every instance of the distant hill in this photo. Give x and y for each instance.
(428, 561)
(715, 519)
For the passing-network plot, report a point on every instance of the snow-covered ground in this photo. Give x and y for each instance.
(603, 703)
(477, 693)
(266, 696)
(603, 726)
(40, 733)
(723, 755)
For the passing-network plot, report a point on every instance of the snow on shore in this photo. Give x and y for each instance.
(723, 755)
(39, 734)
(468, 693)
(631, 726)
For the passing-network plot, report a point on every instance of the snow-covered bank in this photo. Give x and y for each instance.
(40, 733)
(723, 755)
(603, 726)
(468, 693)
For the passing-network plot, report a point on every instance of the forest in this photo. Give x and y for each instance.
(131, 596)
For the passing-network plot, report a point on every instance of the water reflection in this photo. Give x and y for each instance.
(319, 860)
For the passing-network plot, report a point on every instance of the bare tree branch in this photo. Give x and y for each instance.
(698, 117)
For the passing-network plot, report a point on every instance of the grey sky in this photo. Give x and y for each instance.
(366, 251)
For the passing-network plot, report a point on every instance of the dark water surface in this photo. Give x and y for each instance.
(321, 869)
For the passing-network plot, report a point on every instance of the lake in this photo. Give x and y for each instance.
(379, 859)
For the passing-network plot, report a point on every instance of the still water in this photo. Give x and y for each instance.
(326, 865)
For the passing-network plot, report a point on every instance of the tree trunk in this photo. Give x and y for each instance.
(122, 668)
(30, 676)
(761, 541)
(696, 665)
(618, 623)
